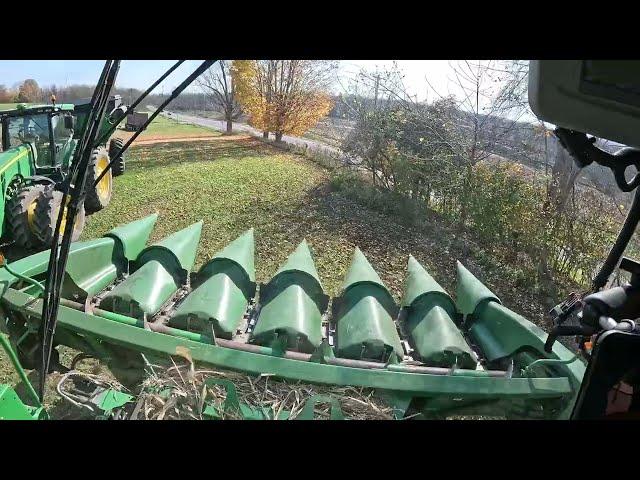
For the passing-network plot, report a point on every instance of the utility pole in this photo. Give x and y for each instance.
(375, 97)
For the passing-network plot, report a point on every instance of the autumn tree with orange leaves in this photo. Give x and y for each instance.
(284, 96)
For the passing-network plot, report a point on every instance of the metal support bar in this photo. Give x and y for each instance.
(4, 341)
(305, 357)
(72, 188)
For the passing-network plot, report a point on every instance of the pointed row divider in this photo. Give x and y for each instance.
(225, 285)
(291, 306)
(364, 315)
(428, 320)
(161, 269)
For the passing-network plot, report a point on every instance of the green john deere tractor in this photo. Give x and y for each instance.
(38, 143)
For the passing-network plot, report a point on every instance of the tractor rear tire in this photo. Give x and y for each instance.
(46, 216)
(20, 211)
(118, 167)
(98, 197)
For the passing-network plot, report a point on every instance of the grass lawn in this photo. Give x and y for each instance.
(239, 184)
(234, 185)
(163, 127)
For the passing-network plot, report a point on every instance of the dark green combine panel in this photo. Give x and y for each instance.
(429, 354)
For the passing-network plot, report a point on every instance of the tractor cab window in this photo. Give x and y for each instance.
(61, 134)
(32, 129)
(62, 139)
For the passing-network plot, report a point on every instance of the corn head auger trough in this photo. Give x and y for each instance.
(122, 300)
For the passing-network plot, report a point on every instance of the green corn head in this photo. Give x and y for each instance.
(429, 354)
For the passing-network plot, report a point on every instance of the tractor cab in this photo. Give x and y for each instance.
(47, 129)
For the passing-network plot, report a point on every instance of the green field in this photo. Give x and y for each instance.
(167, 127)
(236, 185)
(7, 106)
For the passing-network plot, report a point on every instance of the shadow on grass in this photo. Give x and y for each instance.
(387, 240)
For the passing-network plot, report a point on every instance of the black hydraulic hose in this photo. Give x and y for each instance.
(142, 96)
(565, 331)
(72, 189)
(177, 91)
(618, 248)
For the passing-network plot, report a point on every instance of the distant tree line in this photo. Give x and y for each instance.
(29, 91)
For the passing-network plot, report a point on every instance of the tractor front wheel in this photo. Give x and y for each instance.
(98, 197)
(20, 213)
(116, 145)
(46, 215)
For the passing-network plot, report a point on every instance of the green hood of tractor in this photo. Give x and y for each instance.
(20, 154)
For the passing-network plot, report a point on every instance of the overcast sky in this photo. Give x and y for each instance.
(438, 73)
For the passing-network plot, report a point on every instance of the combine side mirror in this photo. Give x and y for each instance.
(69, 122)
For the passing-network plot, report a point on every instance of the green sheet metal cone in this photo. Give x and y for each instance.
(436, 337)
(134, 236)
(420, 283)
(364, 315)
(428, 321)
(361, 271)
(144, 291)
(162, 269)
(92, 266)
(182, 245)
(291, 305)
(240, 251)
(224, 287)
(302, 261)
(97, 263)
(501, 332)
(470, 292)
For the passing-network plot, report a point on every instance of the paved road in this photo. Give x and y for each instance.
(244, 128)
